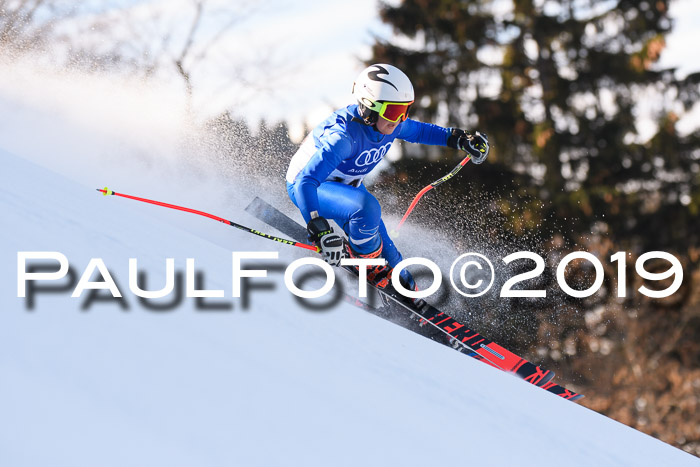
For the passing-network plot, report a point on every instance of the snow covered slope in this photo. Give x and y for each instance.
(110, 384)
(274, 384)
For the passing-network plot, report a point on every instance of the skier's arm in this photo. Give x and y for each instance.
(423, 133)
(336, 147)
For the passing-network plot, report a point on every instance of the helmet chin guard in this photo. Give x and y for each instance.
(368, 115)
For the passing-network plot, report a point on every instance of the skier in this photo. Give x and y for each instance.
(324, 179)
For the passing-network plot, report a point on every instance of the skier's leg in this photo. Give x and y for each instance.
(359, 214)
(354, 209)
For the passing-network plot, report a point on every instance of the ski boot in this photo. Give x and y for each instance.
(378, 276)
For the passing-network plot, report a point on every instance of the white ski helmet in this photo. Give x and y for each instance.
(378, 84)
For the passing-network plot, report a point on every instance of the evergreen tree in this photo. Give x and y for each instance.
(558, 86)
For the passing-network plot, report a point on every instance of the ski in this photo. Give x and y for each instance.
(428, 320)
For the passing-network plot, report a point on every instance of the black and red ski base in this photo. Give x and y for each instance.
(442, 328)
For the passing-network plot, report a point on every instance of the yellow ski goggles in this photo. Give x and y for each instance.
(392, 111)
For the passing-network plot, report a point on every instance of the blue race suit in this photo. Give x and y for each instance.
(326, 174)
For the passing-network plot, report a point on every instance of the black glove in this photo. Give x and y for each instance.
(330, 243)
(476, 145)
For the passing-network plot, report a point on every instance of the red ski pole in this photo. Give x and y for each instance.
(428, 188)
(106, 191)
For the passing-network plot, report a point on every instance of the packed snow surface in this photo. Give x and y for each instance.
(261, 381)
